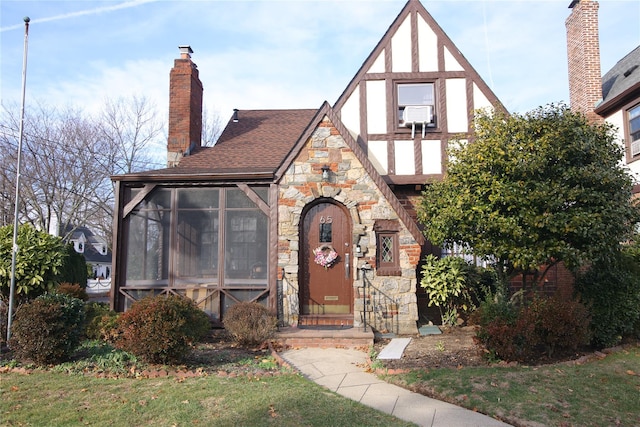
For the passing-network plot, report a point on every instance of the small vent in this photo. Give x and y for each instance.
(635, 148)
(417, 115)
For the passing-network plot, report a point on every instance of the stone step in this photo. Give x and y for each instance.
(324, 337)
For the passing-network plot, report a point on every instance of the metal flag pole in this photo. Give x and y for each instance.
(16, 223)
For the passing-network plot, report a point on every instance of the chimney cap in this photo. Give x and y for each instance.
(185, 51)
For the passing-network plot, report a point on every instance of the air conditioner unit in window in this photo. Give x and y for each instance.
(635, 148)
(417, 115)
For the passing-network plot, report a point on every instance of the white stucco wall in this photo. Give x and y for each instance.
(617, 120)
(479, 100)
(350, 113)
(451, 63)
(378, 155)
(376, 107)
(431, 156)
(404, 158)
(457, 119)
(401, 48)
(427, 47)
(378, 64)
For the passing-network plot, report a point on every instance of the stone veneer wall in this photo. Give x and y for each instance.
(351, 186)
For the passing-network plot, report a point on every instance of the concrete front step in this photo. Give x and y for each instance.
(294, 337)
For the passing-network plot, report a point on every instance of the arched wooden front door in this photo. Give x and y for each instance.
(326, 291)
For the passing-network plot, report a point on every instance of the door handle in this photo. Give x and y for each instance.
(347, 266)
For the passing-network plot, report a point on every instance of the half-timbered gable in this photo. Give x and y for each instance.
(413, 94)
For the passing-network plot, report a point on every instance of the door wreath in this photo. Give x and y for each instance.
(325, 256)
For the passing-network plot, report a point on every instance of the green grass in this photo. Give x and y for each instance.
(46, 398)
(103, 386)
(597, 393)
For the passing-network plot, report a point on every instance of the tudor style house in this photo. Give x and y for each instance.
(613, 97)
(310, 212)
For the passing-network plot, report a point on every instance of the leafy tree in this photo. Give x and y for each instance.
(39, 262)
(532, 190)
(611, 287)
(75, 268)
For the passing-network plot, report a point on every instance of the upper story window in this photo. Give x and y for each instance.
(634, 130)
(416, 105)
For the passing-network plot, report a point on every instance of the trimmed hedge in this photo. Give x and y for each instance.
(541, 327)
(161, 329)
(47, 329)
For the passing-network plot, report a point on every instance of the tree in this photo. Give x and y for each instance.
(61, 184)
(129, 126)
(532, 190)
(39, 262)
(68, 157)
(211, 128)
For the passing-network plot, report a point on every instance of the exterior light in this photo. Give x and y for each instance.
(325, 172)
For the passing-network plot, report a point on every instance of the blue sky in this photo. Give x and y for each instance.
(280, 54)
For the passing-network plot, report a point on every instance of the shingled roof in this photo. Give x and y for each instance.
(257, 143)
(620, 82)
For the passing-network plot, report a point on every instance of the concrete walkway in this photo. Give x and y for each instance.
(344, 372)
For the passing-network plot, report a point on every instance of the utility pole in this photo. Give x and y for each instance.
(16, 223)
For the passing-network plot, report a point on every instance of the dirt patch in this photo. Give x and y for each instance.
(455, 347)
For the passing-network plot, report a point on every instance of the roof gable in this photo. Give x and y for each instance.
(415, 43)
(414, 56)
(327, 111)
(620, 83)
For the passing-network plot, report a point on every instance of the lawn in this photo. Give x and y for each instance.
(230, 386)
(53, 398)
(603, 391)
(220, 384)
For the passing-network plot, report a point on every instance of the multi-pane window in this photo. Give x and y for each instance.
(148, 239)
(634, 130)
(387, 248)
(203, 235)
(245, 238)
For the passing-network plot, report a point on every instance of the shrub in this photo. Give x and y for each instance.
(161, 329)
(250, 323)
(72, 289)
(611, 288)
(101, 322)
(4, 311)
(47, 329)
(525, 333)
(38, 263)
(514, 341)
(560, 324)
(446, 283)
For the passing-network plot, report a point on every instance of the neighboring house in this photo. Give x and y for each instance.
(95, 251)
(255, 217)
(614, 97)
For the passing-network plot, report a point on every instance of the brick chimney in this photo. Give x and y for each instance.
(583, 53)
(185, 108)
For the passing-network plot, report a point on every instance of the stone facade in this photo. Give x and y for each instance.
(390, 301)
